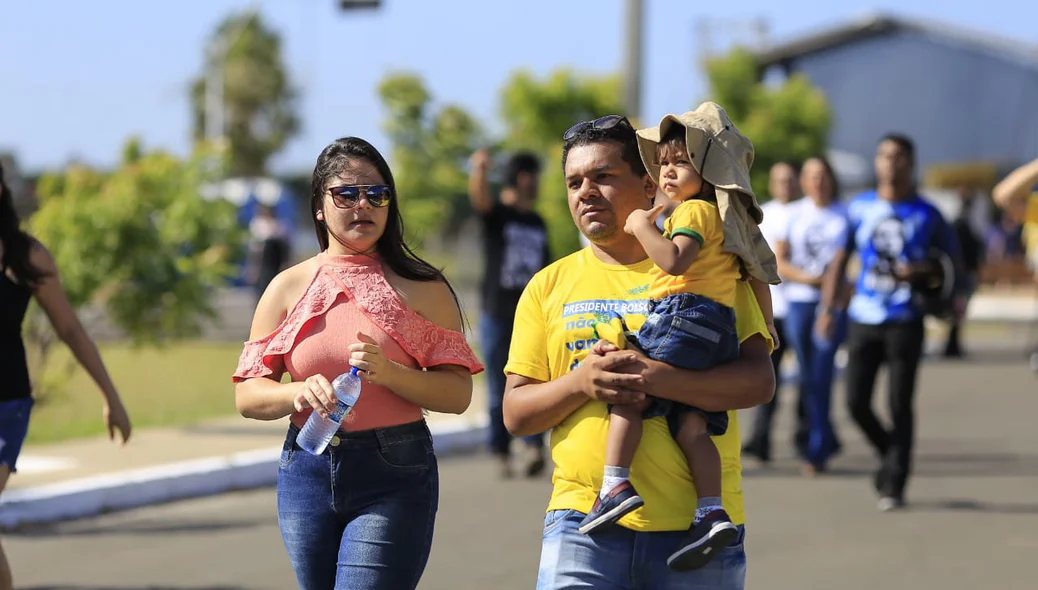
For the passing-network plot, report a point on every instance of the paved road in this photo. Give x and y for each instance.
(973, 522)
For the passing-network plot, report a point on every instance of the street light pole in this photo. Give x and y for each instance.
(215, 108)
(214, 125)
(632, 84)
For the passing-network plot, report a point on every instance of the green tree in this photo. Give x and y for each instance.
(259, 102)
(785, 122)
(536, 114)
(431, 144)
(139, 243)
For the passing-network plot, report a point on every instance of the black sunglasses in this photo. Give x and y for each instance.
(601, 123)
(348, 196)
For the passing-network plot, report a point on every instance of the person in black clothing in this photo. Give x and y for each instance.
(972, 251)
(515, 246)
(269, 248)
(28, 271)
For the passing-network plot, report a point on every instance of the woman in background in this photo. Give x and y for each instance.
(27, 271)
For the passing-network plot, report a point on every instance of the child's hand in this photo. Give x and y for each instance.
(774, 336)
(611, 332)
(639, 219)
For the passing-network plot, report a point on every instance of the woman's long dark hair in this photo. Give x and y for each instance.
(17, 244)
(391, 247)
(828, 170)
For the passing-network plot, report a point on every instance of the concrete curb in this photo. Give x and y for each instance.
(123, 490)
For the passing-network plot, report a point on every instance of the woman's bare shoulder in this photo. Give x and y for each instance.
(289, 285)
(432, 300)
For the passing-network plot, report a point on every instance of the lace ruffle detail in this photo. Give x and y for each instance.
(262, 357)
(426, 342)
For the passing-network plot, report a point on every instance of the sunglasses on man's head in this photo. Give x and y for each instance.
(601, 123)
(348, 196)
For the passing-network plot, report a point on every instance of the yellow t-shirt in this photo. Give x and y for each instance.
(714, 272)
(551, 337)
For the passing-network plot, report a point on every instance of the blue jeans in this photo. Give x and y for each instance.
(693, 332)
(622, 559)
(14, 427)
(495, 337)
(690, 331)
(360, 515)
(817, 360)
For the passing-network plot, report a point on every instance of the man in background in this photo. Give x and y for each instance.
(515, 247)
(972, 249)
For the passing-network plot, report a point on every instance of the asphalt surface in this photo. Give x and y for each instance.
(972, 521)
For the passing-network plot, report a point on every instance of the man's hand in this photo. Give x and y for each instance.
(824, 325)
(480, 160)
(601, 379)
(916, 272)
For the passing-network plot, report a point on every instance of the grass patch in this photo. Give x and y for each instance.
(176, 385)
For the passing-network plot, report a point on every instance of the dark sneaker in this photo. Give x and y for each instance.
(758, 451)
(504, 463)
(535, 462)
(704, 540)
(620, 501)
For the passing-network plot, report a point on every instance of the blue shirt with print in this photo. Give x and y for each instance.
(885, 233)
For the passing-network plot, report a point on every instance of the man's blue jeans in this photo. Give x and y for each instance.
(495, 335)
(622, 559)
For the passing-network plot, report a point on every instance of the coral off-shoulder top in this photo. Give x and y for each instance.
(347, 294)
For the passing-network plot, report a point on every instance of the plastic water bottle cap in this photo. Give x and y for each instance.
(354, 371)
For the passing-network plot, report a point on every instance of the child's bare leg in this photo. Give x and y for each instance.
(703, 461)
(618, 496)
(625, 432)
(712, 529)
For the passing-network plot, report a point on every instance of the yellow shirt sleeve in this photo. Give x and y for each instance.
(528, 352)
(695, 218)
(749, 321)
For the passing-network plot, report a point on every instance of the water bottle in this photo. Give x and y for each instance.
(318, 430)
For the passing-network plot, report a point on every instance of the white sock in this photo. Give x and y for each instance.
(706, 506)
(613, 477)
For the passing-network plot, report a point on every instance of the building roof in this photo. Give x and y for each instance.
(875, 25)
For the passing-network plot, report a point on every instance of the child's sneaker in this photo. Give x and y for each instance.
(704, 540)
(619, 501)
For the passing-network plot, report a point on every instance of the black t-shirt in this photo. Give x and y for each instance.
(14, 301)
(969, 245)
(515, 244)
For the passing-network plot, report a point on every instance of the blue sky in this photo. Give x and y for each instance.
(76, 78)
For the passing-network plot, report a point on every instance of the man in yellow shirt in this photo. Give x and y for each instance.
(560, 379)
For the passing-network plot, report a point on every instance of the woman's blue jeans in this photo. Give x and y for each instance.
(817, 360)
(360, 515)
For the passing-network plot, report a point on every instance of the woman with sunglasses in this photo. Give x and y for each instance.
(360, 515)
